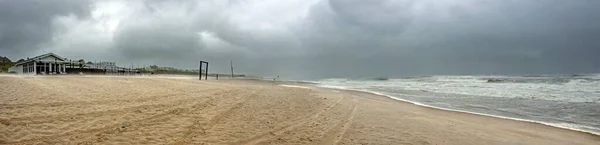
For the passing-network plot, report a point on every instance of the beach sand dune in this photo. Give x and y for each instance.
(147, 110)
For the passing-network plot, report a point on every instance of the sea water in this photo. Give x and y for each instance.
(571, 102)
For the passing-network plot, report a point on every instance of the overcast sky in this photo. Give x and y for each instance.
(314, 38)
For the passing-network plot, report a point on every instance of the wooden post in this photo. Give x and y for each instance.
(231, 63)
(206, 74)
(200, 71)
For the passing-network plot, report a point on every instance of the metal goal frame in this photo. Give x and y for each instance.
(205, 71)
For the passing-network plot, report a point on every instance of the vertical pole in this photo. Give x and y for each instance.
(206, 74)
(200, 71)
(231, 62)
(34, 67)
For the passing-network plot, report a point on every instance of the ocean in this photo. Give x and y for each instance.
(571, 102)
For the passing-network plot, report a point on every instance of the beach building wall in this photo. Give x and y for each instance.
(49, 63)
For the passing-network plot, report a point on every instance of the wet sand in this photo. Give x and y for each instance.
(180, 110)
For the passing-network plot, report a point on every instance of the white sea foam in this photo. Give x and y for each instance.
(294, 86)
(585, 89)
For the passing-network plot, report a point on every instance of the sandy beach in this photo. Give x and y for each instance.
(180, 110)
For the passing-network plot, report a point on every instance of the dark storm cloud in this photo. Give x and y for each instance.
(327, 38)
(380, 16)
(147, 36)
(499, 37)
(528, 37)
(26, 23)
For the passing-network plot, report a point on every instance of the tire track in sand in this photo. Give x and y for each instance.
(63, 117)
(336, 134)
(113, 128)
(289, 126)
(198, 129)
(138, 100)
(109, 128)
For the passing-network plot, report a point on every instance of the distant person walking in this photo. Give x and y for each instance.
(275, 79)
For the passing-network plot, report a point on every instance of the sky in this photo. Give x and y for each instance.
(310, 39)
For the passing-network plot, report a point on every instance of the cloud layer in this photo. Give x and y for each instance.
(314, 38)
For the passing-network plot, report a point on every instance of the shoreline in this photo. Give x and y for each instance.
(455, 110)
(301, 85)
